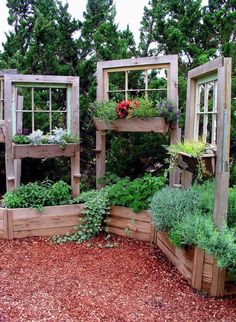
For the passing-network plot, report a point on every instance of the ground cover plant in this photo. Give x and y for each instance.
(186, 215)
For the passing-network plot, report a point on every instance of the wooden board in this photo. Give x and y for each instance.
(42, 151)
(180, 257)
(3, 224)
(152, 124)
(125, 222)
(27, 222)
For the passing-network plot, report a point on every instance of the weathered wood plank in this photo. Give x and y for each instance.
(206, 68)
(22, 213)
(42, 151)
(100, 155)
(176, 256)
(134, 62)
(218, 281)
(124, 212)
(129, 233)
(132, 224)
(154, 124)
(43, 232)
(198, 262)
(43, 222)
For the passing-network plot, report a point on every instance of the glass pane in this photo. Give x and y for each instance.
(26, 94)
(202, 95)
(157, 78)
(210, 95)
(59, 120)
(41, 99)
(157, 96)
(209, 129)
(116, 81)
(117, 97)
(59, 99)
(27, 122)
(136, 79)
(41, 122)
(136, 94)
(200, 129)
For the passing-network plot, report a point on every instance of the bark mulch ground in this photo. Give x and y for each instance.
(41, 281)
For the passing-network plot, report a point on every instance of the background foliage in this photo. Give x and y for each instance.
(45, 39)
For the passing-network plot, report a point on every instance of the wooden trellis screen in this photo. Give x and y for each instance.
(15, 109)
(126, 69)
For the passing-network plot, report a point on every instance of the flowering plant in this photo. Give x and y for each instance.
(167, 110)
(125, 108)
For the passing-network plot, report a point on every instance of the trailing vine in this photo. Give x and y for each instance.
(96, 208)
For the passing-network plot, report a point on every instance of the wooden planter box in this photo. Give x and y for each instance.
(197, 267)
(125, 222)
(28, 222)
(190, 163)
(43, 151)
(152, 124)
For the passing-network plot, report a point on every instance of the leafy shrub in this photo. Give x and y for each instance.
(170, 205)
(37, 195)
(190, 229)
(199, 230)
(135, 194)
(232, 207)
(145, 109)
(206, 192)
(104, 110)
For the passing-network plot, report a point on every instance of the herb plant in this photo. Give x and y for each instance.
(38, 195)
(135, 194)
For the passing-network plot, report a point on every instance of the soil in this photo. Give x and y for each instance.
(131, 281)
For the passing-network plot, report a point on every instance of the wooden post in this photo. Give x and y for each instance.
(19, 121)
(198, 262)
(75, 161)
(100, 155)
(223, 143)
(9, 162)
(218, 281)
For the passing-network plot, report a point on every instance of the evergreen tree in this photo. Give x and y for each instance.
(41, 41)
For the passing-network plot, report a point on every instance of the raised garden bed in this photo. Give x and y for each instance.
(42, 151)
(196, 266)
(28, 222)
(152, 124)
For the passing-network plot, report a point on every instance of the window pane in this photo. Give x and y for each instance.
(117, 97)
(41, 122)
(26, 94)
(116, 81)
(41, 99)
(136, 79)
(58, 96)
(27, 122)
(59, 120)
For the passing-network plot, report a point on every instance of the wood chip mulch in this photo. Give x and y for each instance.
(133, 281)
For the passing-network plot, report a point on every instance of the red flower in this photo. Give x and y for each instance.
(122, 109)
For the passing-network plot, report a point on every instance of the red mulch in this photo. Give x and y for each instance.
(41, 281)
